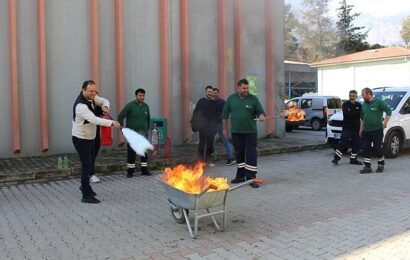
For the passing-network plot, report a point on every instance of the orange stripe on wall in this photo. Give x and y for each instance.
(15, 112)
(94, 39)
(238, 11)
(270, 64)
(222, 51)
(42, 73)
(164, 60)
(185, 89)
(119, 57)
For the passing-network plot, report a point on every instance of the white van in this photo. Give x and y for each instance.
(397, 133)
(318, 109)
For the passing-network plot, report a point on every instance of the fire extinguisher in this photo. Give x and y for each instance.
(106, 133)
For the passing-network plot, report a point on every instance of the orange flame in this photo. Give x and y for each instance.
(295, 114)
(191, 180)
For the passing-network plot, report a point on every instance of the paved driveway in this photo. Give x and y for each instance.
(308, 209)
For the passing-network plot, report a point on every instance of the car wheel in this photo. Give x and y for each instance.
(316, 124)
(392, 145)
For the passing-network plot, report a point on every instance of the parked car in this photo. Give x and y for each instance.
(397, 134)
(317, 109)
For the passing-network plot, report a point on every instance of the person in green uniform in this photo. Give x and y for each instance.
(137, 116)
(371, 129)
(243, 109)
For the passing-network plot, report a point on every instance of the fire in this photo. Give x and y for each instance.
(191, 180)
(294, 114)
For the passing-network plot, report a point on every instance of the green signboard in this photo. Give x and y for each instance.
(253, 84)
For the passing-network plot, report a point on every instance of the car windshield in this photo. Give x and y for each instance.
(391, 98)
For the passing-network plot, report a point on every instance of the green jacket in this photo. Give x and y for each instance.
(372, 114)
(137, 116)
(242, 113)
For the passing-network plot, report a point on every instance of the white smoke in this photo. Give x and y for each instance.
(137, 142)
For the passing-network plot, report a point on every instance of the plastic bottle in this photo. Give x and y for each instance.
(59, 162)
(65, 162)
(154, 137)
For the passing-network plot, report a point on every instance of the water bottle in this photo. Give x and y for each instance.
(65, 162)
(154, 137)
(59, 162)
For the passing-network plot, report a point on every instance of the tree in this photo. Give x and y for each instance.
(291, 43)
(316, 31)
(405, 30)
(350, 37)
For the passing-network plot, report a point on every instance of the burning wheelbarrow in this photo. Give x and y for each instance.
(211, 199)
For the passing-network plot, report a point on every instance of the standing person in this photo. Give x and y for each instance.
(138, 119)
(84, 132)
(350, 129)
(228, 147)
(207, 108)
(243, 108)
(371, 128)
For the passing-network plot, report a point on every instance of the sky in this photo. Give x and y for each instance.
(383, 18)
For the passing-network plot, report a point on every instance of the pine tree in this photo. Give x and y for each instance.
(350, 37)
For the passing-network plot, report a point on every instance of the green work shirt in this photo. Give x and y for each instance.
(137, 116)
(242, 113)
(372, 114)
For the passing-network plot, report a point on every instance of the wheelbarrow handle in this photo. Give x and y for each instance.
(256, 180)
(211, 186)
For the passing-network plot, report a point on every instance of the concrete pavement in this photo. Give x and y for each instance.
(308, 209)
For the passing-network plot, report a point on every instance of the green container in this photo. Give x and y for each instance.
(161, 123)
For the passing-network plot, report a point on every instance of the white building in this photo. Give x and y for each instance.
(372, 68)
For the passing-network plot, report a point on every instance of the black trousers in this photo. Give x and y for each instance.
(246, 156)
(348, 135)
(86, 152)
(375, 137)
(206, 142)
(131, 155)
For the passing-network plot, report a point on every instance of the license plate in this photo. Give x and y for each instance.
(337, 136)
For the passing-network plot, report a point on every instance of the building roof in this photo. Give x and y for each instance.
(369, 55)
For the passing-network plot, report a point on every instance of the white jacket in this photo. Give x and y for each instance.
(82, 113)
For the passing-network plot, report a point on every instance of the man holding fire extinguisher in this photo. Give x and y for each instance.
(84, 131)
(137, 116)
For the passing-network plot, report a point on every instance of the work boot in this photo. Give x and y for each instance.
(90, 199)
(355, 161)
(366, 169)
(380, 168)
(237, 180)
(130, 173)
(335, 162)
(144, 171)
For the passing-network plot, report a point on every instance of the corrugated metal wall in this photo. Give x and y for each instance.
(66, 60)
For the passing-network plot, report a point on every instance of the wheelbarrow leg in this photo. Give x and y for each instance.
(188, 223)
(215, 222)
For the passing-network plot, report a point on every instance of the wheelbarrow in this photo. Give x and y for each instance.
(181, 203)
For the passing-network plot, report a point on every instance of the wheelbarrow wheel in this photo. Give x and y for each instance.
(178, 215)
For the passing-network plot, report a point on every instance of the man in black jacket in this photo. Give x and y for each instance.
(207, 108)
(351, 127)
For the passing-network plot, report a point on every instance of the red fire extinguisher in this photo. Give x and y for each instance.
(106, 133)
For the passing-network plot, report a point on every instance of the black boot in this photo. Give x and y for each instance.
(380, 168)
(130, 173)
(366, 169)
(145, 171)
(355, 161)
